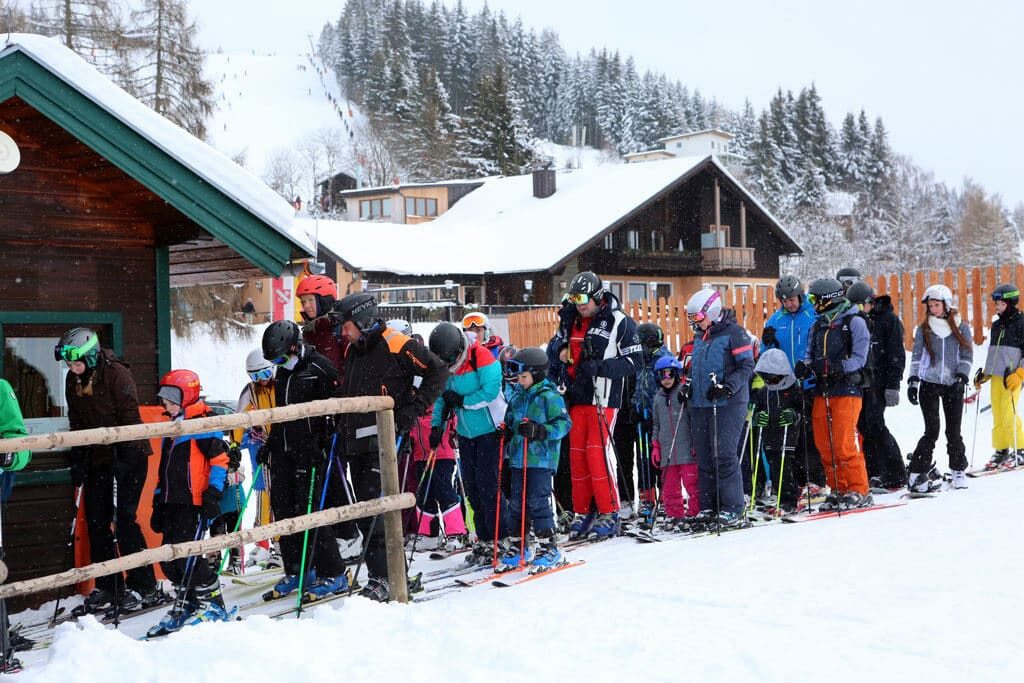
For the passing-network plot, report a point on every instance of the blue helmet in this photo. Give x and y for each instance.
(668, 362)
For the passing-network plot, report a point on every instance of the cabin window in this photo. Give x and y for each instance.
(657, 240)
(372, 209)
(420, 206)
(632, 239)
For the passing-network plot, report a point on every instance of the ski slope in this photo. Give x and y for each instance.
(927, 590)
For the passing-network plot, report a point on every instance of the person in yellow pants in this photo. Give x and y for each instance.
(1004, 366)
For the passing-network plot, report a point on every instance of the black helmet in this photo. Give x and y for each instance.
(650, 336)
(1006, 292)
(78, 344)
(281, 338)
(532, 360)
(860, 292)
(787, 286)
(848, 276)
(824, 293)
(585, 284)
(360, 308)
(448, 343)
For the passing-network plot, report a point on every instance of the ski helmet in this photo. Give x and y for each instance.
(668, 363)
(939, 293)
(1008, 293)
(78, 344)
(360, 308)
(258, 367)
(180, 387)
(584, 287)
(707, 303)
(533, 360)
(506, 354)
(281, 338)
(787, 286)
(848, 276)
(449, 343)
(323, 288)
(860, 292)
(401, 326)
(650, 336)
(824, 293)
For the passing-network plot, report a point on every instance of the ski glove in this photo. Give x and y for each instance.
(768, 337)
(452, 398)
(211, 503)
(719, 391)
(761, 418)
(802, 370)
(589, 368)
(979, 378)
(912, 390)
(892, 398)
(504, 432)
(234, 457)
(656, 454)
(960, 382)
(685, 393)
(788, 418)
(1014, 380)
(435, 437)
(532, 431)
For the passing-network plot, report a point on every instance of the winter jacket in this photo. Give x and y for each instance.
(671, 432)
(842, 341)
(494, 344)
(890, 358)
(104, 396)
(384, 363)
(645, 385)
(1006, 344)
(419, 436)
(313, 378)
(478, 382)
(774, 398)
(326, 339)
(609, 338)
(11, 425)
(541, 403)
(793, 330)
(725, 350)
(947, 358)
(189, 464)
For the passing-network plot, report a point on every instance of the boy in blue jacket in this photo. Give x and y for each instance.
(536, 422)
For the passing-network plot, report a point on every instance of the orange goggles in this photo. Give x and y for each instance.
(473, 319)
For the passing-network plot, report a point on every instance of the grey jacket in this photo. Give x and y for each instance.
(947, 358)
(672, 428)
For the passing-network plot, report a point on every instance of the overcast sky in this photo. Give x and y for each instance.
(944, 75)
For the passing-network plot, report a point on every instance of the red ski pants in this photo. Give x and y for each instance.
(849, 468)
(591, 459)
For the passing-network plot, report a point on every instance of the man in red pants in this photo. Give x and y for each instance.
(594, 349)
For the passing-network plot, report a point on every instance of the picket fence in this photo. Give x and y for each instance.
(971, 289)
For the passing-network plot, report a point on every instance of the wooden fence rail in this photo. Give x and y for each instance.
(971, 289)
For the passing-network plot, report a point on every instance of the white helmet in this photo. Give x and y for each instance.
(707, 303)
(939, 293)
(399, 325)
(255, 361)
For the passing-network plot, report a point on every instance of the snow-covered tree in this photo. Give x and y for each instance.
(497, 139)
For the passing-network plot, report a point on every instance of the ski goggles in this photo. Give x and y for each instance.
(71, 354)
(702, 315)
(473, 320)
(280, 360)
(823, 299)
(262, 375)
(514, 368)
(667, 373)
(579, 298)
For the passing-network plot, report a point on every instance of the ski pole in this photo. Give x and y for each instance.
(782, 471)
(714, 452)
(241, 513)
(1015, 425)
(305, 543)
(117, 550)
(522, 512)
(832, 445)
(606, 438)
(974, 438)
(807, 458)
(756, 464)
(186, 576)
(69, 551)
(421, 494)
(366, 541)
(497, 498)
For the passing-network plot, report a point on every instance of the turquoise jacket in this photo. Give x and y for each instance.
(542, 404)
(478, 381)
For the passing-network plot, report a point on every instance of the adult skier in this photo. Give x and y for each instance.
(317, 294)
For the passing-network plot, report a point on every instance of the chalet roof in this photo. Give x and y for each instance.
(650, 152)
(387, 189)
(502, 228)
(716, 131)
(198, 180)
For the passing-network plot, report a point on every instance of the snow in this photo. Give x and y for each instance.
(509, 229)
(220, 171)
(220, 364)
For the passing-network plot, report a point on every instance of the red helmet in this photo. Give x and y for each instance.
(180, 386)
(320, 286)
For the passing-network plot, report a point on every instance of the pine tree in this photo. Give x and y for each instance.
(497, 138)
(94, 29)
(852, 155)
(553, 68)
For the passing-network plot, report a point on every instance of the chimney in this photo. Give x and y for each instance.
(543, 182)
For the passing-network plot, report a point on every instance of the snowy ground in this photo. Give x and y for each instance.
(924, 590)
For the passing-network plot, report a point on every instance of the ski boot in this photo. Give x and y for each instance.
(958, 479)
(580, 526)
(812, 494)
(700, 522)
(19, 643)
(481, 554)
(512, 559)
(548, 557)
(605, 526)
(853, 500)
(925, 482)
(726, 521)
(646, 516)
(1002, 458)
(288, 585)
(175, 620)
(210, 605)
(377, 589)
(831, 503)
(564, 523)
(326, 586)
(98, 600)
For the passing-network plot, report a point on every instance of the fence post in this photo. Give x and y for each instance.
(394, 542)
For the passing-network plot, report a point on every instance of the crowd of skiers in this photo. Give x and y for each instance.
(537, 443)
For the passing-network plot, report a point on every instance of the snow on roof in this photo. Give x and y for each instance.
(715, 131)
(382, 189)
(221, 172)
(502, 228)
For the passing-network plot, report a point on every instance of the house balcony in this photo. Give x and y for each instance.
(717, 259)
(630, 261)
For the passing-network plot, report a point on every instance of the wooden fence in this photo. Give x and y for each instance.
(971, 288)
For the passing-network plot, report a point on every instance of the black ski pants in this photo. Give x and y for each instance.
(881, 452)
(181, 523)
(365, 472)
(563, 479)
(98, 498)
(290, 497)
(624, 437)
(930, 396)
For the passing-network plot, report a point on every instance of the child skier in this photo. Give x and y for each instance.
(187, 499)
(939, 367)
(777, 411)
(536, 422)
(672, 449)
(438, 511)
(1005, 366)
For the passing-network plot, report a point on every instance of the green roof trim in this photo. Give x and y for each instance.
(147, 163)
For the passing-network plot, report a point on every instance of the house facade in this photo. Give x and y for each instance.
(408, 204)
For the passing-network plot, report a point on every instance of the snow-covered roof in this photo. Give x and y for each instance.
(714, 131)
(502, 228)
(384, 189)
(660, 153)
(225, 175)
